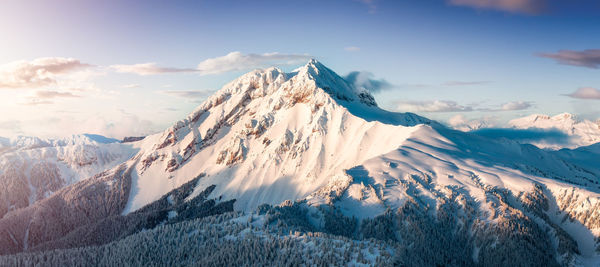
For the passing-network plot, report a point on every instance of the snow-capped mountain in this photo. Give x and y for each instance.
(582, 132)
(270, 136)
(320, 148)
(33, 168)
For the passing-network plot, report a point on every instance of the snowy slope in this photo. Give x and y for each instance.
(436, 166)
(32, 168)
(582, 132)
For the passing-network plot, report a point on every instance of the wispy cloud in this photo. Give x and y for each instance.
(464, 83)
(364, 79)
(148, 69)
(529, 7)
(45, 97)
(432, 106)
(516, 105)
(130, 86)
(352, 48)
(189, 93)
(589, 58)
(36, 102)
(236, 61)
(46, 94)
(452, 106)
(38, 72)
(586, 93)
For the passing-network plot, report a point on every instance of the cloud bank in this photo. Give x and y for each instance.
(38, 72)
(589, 58)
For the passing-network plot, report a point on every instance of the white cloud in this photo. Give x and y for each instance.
(432, 106)
(148, 69)
(38, 72)
(586, 93)
(236, 61)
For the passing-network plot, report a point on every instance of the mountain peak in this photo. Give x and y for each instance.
(332, 83)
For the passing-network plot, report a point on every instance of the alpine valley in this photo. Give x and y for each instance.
(302, 169)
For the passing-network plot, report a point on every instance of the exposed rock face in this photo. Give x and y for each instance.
(130, 139)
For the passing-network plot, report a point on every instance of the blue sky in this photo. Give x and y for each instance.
(477, 59)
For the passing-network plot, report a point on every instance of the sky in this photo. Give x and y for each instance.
(132, 68)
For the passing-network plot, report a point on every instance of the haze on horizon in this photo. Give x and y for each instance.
(133, 68)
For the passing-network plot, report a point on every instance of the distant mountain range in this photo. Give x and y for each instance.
(582, 132)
